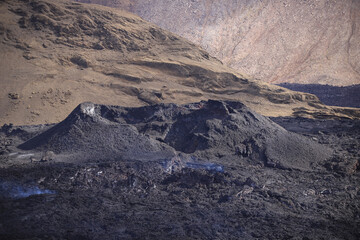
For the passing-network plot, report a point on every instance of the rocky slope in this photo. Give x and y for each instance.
(275, 41)
(206, 130)
(205, 170)
(57, 54)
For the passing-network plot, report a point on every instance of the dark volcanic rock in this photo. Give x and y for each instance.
(88, 133)
(207, 130)
(208, 170)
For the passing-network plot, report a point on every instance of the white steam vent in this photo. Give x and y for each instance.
(88, 109)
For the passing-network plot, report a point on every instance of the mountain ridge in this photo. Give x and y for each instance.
(57, 54)
(274, 41)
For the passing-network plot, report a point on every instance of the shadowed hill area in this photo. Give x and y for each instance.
(272, 40)
(57, 54)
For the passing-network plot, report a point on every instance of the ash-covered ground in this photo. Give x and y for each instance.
(208, 170)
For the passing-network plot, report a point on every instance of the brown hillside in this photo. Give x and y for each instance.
(273, 40)
(57, 54)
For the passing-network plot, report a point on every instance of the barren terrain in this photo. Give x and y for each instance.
(113, 128)
(275, 41)
(58, 54)
(199, 171)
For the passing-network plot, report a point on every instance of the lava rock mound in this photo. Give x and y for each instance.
(215, 131)
(87, 133)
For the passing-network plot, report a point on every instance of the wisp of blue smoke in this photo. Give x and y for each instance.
(15, 190)
(208, 166)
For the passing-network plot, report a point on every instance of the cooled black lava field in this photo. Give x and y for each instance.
(207, 170)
